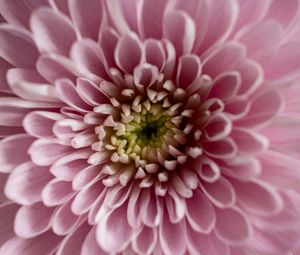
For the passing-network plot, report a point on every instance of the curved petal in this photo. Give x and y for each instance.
(144, 242)
(90, 245)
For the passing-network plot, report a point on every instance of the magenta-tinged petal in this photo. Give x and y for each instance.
(200, 212)
(85, 177)
(258, 115)
(150, 27)
(145, 75)
(72, 244)
(222, 149)
(46, 242)
(108, 41)
(221, 192)
(87, 17)
(237, 107)
(133, 208)
(171, 236)
(32, 220)
(17, 46)
(189, 69)
(52, 31)
(57, 192)
(205, 243)
(26, 183)
(7, 214)
(179, 28)
(4, 67)
(113, 232)
(40, 123)
(154, 53)
(232, 226)
(18, 13)
(218, 127)
(13, 151)
(128, 52)
(144, 242)
(45, 152)
(53, 67)
(64, 220)
(258, 197)
(90, 245)
(60, 6)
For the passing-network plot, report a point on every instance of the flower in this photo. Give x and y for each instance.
(149, 127)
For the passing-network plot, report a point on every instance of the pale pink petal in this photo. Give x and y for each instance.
(52, 32)
(218, 127)
(171, 236)
(17, 46)
(175, 205)
(32, 220)
(232, 226)
(108, 42)
(258, 197)
(200, 213)
(90, 245)
(113, 232)
(145, 75)
(26, 183)
(73, 242)
(179, 28)
(150, 27)
(144, 242)
(57, 192)
(221, 192)
(4, 67)
(64, 220)
(220, 149)
(85, 177)
(87, 17)
(133, 208)
(18, 13)
(46, 242)
(60, 6)
(45, 152)
(128, 52)
(154, 53)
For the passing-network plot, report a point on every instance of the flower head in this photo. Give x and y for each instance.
(149, 127)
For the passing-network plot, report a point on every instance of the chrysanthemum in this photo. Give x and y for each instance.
(149, 127)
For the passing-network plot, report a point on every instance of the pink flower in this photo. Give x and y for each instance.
(149, 127)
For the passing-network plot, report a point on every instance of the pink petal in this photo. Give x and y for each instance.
(128, 52)
(108, 42)
(175, 206)
(189, 69)
(40, 123)
(7, 215)
(57, 192)
(257, 115)
(221, 192)
(220, 24)
(26, 182)
(232, 226)
(60, 6)
(171, 236)
(4, 67)
(205, 244)
(45, 152)
(88, 58)
(237, 107)
(68, 93)
(145, 75)
(90, 245)
(207, 169)
(179, 28)
(133, 208)
(53, 67)
(64, 220)
(154, 53)
(52, 31)
(226, 85)
(72, 244)
(223, 59)
(283, 12)
(85, 177)
(32, 220)
(113, 232)
(218, 127)
(258, 197)
(149, 27)
(17, 46)
(46, 242)
(68, 166)
(13, 151)
(144, 242)
(249, 141)
(200, 212)
(18, 13)
(222, 149)
(87, 16)
(85, 198)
